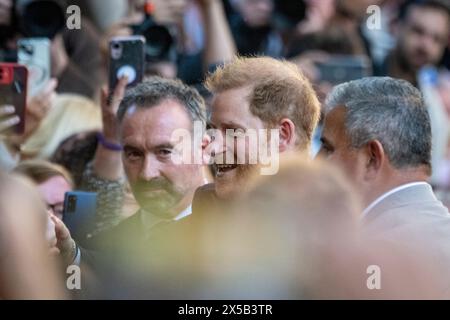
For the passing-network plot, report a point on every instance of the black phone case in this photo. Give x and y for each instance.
(14, 92)
(132, 54)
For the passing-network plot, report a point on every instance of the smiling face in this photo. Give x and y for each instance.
(230, 111)
(158, 184)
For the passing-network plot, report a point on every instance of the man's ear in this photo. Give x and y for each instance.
(376, 157)
(287, 134)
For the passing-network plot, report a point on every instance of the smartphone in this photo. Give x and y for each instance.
(126, 57)
(13, 91)
(342, 68)
(35, 54)
(79, 214)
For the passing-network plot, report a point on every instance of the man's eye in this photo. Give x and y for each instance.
(133, 155)
(164, 152)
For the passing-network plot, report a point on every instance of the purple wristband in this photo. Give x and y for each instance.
(108, 145)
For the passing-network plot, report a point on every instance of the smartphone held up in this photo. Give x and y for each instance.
(13, 93)
(126, 58)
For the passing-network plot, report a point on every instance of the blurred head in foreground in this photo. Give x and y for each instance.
(26, 268)
(291, 236)
(295, 235)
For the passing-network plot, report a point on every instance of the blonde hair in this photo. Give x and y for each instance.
(69, 115)
(40, 171)
(278, 90)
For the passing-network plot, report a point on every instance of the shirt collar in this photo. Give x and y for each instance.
(390, 192)
(150, 220)
(184, 213)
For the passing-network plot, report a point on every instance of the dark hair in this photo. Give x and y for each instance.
(40, 171)
(75, 152)
(156, 89)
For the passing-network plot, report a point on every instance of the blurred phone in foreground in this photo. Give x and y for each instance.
(35, 54)
(79, 214)
(342, 68)
(13, 91)
(126, 58)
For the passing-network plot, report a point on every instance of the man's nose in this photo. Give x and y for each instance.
(427, 43)
(151, 168)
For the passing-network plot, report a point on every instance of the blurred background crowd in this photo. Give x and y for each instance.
(71, 142)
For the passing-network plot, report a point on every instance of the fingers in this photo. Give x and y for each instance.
(54, 251)
(37, 107)
(118, 93)
(104, 96)
(50, 87)
(7, 110)
(8, 123)
(46, 95)
(40, 104)
(61, 231)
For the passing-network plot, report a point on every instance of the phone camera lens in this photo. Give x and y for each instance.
(71, 206)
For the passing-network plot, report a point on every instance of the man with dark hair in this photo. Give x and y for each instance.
(148, 116)
(423, 32)
(378, 130)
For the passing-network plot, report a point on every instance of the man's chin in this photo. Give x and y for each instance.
(228, 186)
(225, 191)
(155, 205)
(232, 182)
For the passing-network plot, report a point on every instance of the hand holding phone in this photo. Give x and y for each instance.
(110, 102)
(8, 118)
(13, 93)
(79, 213)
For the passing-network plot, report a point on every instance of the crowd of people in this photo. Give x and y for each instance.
(318, 151)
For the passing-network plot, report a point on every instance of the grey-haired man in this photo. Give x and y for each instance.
(378, 130)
